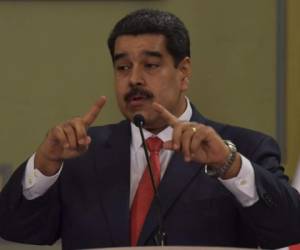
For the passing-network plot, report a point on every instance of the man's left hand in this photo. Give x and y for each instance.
(198, 142)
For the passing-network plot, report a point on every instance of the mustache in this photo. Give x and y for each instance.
(138, 91)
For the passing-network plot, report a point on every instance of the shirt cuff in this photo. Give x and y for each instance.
(243, 185)
(34, 183)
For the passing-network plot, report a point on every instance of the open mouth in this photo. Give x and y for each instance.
(137, 100)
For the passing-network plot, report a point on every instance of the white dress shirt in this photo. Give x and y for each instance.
(35, 184)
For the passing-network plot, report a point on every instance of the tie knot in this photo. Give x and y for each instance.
(154, 144)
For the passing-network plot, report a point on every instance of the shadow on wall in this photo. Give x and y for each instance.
(5, 173)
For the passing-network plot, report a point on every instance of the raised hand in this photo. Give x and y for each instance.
(66, 140)
(197, 142)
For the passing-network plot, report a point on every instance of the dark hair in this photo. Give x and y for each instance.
(148, 21)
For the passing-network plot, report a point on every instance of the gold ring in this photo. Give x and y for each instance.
(194, 129)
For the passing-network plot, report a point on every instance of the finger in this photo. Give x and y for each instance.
(198, 138)
(177, 134)
(186, 143)
(57, 134)
(165, 114)
(82, 148)
(92, 114)
(178, 130)
(80, 130)
(200, 143)
(71, 136)
(201, 156)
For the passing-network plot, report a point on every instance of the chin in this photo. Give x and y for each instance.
(130, 115)
(155, 124)
(155, 128)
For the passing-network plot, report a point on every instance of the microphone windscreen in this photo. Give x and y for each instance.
(139, 120)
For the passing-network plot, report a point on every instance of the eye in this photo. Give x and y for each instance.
(151, 65)
(122, 67)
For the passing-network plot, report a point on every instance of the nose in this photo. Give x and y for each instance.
(136, 76)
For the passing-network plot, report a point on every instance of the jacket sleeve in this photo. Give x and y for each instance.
(275, 218)
(34, 221)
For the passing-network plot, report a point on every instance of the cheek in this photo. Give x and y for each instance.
(120, 85)
(171, 87)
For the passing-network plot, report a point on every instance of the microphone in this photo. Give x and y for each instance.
(139, 121)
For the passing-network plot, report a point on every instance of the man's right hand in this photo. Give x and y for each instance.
(66, 140)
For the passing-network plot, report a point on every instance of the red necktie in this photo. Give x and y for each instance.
(294, 247)
(144, 194)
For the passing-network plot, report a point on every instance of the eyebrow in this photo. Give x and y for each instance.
(119, 56)
(153, 53)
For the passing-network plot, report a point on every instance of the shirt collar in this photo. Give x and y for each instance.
(164, 135)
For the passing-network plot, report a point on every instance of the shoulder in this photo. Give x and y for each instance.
(248, 141)
(230, 132)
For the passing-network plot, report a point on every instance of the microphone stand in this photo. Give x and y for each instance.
(160, 237)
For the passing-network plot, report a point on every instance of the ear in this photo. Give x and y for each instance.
(185, 72)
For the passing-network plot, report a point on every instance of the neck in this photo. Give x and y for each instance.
(156, 130)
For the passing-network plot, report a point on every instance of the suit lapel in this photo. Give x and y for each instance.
(113, 168)
(177, 177)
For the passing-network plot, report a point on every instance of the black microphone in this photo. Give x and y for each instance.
(139, 121)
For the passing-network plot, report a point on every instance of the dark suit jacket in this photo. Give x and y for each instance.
(88, 206)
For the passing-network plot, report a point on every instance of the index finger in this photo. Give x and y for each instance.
(165, 114)
(94, 111)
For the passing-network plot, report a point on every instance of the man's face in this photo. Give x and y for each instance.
(145, 72)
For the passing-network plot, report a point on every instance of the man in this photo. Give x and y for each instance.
(89, 185)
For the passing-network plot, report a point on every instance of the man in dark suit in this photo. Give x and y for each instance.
(219, 185)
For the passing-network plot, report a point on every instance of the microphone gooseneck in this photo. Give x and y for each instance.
(139, 121)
